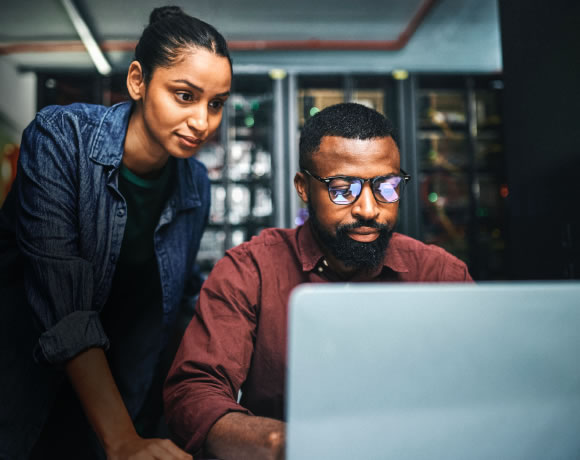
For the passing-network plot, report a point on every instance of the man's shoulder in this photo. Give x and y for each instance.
(423, 257)
(406, 243)
(274, 236)
(270, 248)
(263, 253)
(269, 240)
(421, 250)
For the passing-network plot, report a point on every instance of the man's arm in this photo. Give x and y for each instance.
(93, 382)
(213, 361)
(246, 437)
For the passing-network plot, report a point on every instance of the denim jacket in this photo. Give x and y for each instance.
(64, 220)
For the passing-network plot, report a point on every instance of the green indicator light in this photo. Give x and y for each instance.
(249, 121)
(314, 111)
(432, 197)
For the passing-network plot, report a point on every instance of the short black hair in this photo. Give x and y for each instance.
(349, 120)
(169, 33)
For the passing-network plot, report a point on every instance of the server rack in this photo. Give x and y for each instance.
(462, 181)
(240, 163)
(448, 127)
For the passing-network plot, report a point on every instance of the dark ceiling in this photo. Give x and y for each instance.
(453, 35)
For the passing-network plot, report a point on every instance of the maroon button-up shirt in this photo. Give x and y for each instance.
(237, 338)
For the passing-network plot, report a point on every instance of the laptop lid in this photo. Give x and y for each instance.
(434, 371)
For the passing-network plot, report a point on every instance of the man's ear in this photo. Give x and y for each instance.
(135, 81)
(301, 186)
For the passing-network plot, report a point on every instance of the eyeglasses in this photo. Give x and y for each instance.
(347, 189)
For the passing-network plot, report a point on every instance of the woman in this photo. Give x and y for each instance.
(98, 240)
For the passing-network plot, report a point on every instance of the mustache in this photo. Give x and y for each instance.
(371, 223)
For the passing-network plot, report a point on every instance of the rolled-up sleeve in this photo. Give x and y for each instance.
(214, 357)
(59, 283)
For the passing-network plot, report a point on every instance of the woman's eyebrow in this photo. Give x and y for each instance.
(197, 88)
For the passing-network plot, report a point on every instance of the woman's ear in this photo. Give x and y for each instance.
(301, 186)
(135, 81)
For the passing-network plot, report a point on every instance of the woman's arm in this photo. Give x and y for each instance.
(59, 281)
(60, 284)
(93, 382)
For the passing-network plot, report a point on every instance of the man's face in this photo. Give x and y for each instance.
(356, 234)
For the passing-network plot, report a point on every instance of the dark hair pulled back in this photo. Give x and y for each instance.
(169, 32)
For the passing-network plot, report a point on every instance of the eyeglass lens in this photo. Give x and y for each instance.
(345, 191)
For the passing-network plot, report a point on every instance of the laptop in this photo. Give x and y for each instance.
(434, 371)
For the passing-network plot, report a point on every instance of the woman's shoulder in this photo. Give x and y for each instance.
(77, 131)
(78, 115)
(78, 111)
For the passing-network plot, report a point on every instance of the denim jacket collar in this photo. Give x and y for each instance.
(109, 144)
(187, 193)
(108, 149)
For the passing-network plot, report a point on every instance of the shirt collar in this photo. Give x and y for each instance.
(393, 257)
(109, 143)
(188, 194)
(311, 254)
(109, 147)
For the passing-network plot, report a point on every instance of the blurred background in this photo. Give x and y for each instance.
(484, 95)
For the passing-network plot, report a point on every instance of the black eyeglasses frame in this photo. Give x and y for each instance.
(327, 180)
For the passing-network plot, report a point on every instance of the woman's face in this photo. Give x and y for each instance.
(183, 103)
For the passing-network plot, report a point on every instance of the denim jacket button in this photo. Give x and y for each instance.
(121, 212)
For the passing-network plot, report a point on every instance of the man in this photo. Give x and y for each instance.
(351, 180)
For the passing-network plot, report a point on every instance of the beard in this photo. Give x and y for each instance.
(353, 253)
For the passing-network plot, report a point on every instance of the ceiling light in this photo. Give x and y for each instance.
(400, 74)
(87, 38)
(277, 74)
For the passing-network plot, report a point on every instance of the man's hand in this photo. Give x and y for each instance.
(246, 437)
(137, 448)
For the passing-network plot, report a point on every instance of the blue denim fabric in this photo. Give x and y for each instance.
(61, 229)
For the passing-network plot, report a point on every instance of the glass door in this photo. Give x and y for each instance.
(239, 163)
(461, 170)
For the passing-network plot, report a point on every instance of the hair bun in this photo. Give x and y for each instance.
(164, 12)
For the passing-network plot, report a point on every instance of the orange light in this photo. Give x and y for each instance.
(504, 191)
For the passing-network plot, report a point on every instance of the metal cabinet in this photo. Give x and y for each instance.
(449, 131)
(240, 166)
(462, 187)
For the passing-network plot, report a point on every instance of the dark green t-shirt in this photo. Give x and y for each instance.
(133, 314)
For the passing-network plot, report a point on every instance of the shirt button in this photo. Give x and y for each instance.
(320, 269)
(325, 262)
(121, 212)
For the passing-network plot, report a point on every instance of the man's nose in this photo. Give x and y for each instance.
(366, 206)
